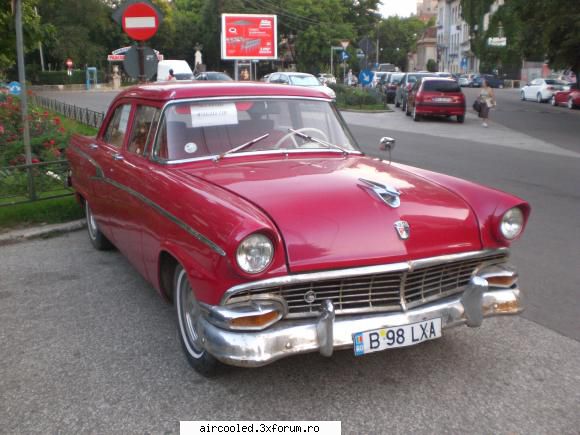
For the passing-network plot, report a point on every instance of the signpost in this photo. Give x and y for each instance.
(15, 88)
(140, 21)
(497, 42)
(69, 65)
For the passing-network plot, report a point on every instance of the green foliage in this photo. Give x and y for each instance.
(431, 65)
(351, 97)
(397, 37)
(31, 28)
(49, 211)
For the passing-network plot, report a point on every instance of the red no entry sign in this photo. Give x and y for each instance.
(140, 21)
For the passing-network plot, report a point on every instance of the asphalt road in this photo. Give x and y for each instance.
(87, 346)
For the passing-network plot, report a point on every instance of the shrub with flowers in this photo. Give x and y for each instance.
(48, 138)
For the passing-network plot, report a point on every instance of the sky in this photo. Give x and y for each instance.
(402, 8)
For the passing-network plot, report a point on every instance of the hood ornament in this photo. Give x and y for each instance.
(387, 194)
(403, 229)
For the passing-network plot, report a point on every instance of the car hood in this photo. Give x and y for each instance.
(329, 218)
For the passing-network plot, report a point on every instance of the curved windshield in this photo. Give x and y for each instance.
(192, 130)
(304, 81)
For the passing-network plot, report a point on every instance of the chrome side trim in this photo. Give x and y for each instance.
(214, 246)
(100, 176)
(407, 266)
(92, 161)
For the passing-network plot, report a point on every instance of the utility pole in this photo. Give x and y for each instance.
(23, 96)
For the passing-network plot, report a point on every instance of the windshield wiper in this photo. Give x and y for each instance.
(318, 141)
(242, 146)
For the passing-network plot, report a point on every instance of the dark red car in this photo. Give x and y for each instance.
(569, 98)
(435, 96)
(252, 208)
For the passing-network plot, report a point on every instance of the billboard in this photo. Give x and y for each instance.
(249, 36)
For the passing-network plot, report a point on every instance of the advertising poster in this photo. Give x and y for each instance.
(249, 36)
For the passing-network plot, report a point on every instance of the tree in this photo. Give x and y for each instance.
(431, 65)
(30, 26)
(397, 37)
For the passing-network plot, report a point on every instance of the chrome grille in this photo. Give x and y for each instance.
(377, 292)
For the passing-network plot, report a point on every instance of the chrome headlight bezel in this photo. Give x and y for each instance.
(512, 223)
(255, 253)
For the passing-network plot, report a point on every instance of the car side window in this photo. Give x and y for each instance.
(143, 129)
(284, 79)
(117, 128)
(536, 82)
(274, 78)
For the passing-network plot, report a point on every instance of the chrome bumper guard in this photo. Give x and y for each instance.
(290, 337)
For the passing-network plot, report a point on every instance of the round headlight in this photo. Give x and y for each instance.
(512, 223)
(255, 253)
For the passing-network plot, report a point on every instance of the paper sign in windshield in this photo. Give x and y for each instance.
(209, 115)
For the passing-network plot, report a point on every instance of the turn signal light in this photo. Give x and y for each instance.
(506, 307)
(502, 281)
(257, 321)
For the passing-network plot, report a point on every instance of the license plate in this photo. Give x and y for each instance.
(397, 336)
(442, 100)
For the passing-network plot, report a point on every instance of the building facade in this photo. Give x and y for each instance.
(453, 40)
(426, 48)
(427, 9)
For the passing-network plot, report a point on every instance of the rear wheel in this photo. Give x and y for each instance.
(397, 102)
(460, 118)
(404, 105)
(416, 117)
(188, 315)
(539, 98)
(97, 238)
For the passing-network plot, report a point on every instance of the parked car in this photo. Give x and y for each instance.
(213, 75)
(300, 79)
(181, 70)
(436, 96)
(252, 208)
(405, 86)
(569, 98)
(327, 79)
(466, 80)
(390, 87)
(541, 90)
(446, 75)
(387, 67)
(378, 77)
(492, 80)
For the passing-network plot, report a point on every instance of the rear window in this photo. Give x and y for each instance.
(441, 86)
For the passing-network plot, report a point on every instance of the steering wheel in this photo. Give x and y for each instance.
(292, 135)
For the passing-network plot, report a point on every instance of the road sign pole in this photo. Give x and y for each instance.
(140, 48)
(23, 97)
(331, 60)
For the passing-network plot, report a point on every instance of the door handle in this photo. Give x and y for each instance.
(117, 156)
(93, 146)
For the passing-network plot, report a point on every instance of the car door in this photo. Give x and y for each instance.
(131, 175)
(532, 89)
(105, 149)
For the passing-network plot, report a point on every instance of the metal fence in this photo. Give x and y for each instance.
(81, 114)
(26, 183)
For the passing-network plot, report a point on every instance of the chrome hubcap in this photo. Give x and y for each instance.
(188, 313)
(91, 222)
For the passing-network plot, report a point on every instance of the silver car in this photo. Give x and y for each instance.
(300, 79)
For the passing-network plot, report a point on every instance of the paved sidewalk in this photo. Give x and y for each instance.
(39, 232)
(471, 130)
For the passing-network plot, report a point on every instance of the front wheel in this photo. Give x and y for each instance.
(570, 104)
(522, 96)
(188, 315)
(460, 118)
(97, 238)
(553, 100)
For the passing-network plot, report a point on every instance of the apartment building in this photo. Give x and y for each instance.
(453, 42)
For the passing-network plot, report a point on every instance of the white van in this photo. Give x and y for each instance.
(181, 70)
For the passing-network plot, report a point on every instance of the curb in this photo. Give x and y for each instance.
(41, 232)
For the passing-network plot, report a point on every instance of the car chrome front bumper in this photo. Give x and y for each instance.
(329, 332)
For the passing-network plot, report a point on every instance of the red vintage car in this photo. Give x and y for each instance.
(436, 96)
(253, 209)
(569, 98)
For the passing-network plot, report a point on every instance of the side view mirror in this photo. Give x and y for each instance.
(387, 144)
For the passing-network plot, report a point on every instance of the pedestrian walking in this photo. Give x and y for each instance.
(487, 101)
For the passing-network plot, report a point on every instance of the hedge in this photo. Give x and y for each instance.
(78, 77)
